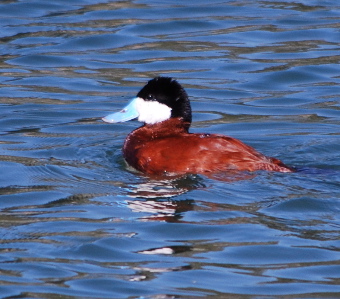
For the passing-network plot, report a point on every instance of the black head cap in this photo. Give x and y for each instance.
(168, 91)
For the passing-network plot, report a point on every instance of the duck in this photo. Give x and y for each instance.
(163, 145)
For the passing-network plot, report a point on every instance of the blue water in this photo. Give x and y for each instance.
(77, 223)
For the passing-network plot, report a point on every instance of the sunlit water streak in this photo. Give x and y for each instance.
(77, 222)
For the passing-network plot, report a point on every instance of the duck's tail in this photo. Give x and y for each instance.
(277, 165)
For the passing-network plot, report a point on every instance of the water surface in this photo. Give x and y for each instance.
(77, 223)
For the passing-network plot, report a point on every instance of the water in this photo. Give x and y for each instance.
(77, 223)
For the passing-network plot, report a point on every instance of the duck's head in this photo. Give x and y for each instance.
(160, 99)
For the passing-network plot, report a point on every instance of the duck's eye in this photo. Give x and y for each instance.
(150, 97)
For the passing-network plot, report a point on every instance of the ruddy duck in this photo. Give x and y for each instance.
(163, 145)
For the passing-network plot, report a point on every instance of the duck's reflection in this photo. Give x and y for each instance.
(154, 197)
(165, 187)
(160, 210)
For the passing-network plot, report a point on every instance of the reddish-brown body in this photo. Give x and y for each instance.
(167, 147)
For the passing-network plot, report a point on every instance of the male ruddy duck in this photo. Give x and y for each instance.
(163, 145)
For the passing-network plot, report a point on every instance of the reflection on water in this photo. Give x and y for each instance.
(163, 187)
(169, 211)
(75, 222)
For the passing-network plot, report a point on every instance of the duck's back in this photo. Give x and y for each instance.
(152, 151)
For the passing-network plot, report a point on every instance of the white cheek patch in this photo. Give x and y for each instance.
(152, 112)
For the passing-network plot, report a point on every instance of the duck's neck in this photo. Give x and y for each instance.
(171, 126)
(166, 128)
